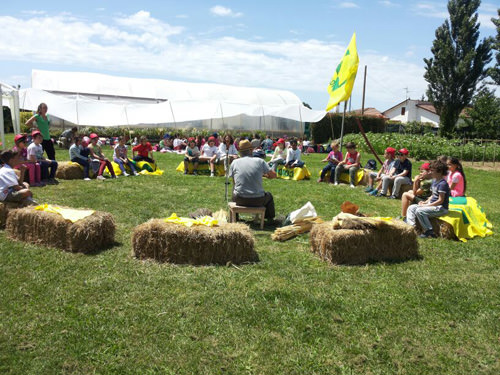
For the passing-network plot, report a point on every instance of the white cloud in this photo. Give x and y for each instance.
(221, 11)
(428, 9)
(182, 16)
(34, 12)
(347, 5)
(128, 47)
(388, 3)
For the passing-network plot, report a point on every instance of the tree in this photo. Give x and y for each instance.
(494, 71)
(484, 116)
(458, 62)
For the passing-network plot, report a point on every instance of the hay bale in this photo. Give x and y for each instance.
(392, 242)
(197, 245)
(93, 233)
(5, 208)
(69, 171)
(441, 228)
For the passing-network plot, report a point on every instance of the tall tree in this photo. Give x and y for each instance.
(484, 115)
(458, 62)
(494, 71)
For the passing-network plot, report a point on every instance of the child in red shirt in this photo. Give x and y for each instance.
(144, 151)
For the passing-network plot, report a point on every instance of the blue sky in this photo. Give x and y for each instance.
(286, 45)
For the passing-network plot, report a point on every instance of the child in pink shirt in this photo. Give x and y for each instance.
(456, 178)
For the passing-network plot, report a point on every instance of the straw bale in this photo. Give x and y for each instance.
(69, 171)
(441, 228)
(393, 241)
(5, 208)
(196, 245)
(93, 233)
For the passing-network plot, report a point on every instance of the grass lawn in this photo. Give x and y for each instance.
(291, 313)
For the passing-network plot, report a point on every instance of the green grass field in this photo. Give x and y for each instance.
(291, 313)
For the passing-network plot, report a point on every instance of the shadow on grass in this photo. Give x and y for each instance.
(103, 249)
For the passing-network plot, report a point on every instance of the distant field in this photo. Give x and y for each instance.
(291, 313)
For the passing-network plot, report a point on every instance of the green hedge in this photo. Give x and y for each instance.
(321, 131)
(428, 146)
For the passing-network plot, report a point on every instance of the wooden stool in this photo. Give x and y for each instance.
(234, 209)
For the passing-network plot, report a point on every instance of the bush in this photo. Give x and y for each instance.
(428, 146)
(321, 131)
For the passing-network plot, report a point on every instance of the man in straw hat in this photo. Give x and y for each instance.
(247, 173)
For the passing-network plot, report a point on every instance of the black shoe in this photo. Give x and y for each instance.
(380, 195)
(428, 234)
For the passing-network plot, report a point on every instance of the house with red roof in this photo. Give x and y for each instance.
(413, 110)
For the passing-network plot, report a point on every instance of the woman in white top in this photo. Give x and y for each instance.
(228, 149)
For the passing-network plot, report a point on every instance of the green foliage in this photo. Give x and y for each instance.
(428, 146)
(484, 116)
(23, 117)
(458, 62)
(494, 72)
(417, 127)
(321, 131)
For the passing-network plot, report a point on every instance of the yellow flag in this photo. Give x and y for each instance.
(341, 85)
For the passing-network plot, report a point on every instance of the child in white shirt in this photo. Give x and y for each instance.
(10, 189)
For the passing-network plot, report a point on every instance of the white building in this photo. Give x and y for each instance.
(413, 110)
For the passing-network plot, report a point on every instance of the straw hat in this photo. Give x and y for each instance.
(245, 145)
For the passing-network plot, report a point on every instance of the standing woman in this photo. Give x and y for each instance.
(43, 124)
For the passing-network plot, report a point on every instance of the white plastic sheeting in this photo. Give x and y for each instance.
(9, 96)
(102, 84)
(82, 110)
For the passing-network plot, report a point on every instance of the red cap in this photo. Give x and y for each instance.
(404, 151)
(34, 133)
(426, 166)
(93, 135)
(281, 140)
(191, 139)
(390, 150)
(211, 139)
(18, 137)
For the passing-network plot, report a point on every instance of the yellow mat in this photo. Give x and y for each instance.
(188, 222)
(467, 218)
(67, 213)
(344, 177)
(294, 174)
(203, 169)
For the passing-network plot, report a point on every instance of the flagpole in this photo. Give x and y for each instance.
(342, 127)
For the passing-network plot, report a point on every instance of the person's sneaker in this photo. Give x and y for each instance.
(31, 201)
(352, 185)
(126, 174)
(185, 172)
(86, 179)
(369, 189)
(374, 192)
(320, 180)
(336, 183)
(195, 173)
(136, 174)
(428, 234)
(392, 197)
(401, 217)
(380, 195)
(100, 178)
(115, 176)
(212, 174)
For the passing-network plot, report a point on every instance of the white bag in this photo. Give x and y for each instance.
(306, 211)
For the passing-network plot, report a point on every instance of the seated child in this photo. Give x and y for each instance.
(399, 175)
(384, 171)
(166, 144)
(351, 163)
(456, 178)
(333, 159)
(436, 205)
(96, 154)
(120, 157)
(10, 188)
(76, 156)
(209, 154)
(279, 155)
(293, 156)
(179, 143)
(421, 189)
(35, 155)
(144, 151)
(35, 176)
(192, 155)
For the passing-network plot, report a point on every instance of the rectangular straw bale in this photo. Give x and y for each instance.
(441, 229)
(197, 245)
(394, 242)
(69, 171)
(93, 233)
(5, 208)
